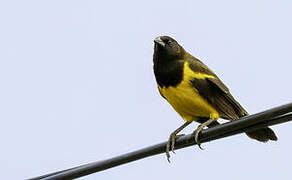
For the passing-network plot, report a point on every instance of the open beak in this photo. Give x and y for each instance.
(159, 41)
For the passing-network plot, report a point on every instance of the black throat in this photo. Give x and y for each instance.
(168, 71)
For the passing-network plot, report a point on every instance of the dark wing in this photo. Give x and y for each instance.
(215, 92)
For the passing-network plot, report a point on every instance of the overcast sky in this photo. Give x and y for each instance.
(77, 85)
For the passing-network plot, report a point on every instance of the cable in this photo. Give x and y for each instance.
(270, 117)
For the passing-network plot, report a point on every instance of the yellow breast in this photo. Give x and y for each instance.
(186, 100)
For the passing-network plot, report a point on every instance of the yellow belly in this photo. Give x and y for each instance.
(186, 100)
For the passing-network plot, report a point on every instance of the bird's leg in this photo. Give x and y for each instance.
(173, 136)
(200, 128)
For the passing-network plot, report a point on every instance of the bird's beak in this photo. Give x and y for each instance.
(159, 41)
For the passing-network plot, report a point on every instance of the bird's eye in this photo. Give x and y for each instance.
(169, 42)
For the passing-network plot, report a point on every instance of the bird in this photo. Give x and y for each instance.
(195, 92)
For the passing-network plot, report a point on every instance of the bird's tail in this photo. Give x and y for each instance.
(263, 134)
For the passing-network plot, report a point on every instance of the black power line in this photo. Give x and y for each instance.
(248, 123)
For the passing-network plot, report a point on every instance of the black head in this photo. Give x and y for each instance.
(167, 48)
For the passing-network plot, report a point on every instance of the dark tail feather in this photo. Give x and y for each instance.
(263, 135)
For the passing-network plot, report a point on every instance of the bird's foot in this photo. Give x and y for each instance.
(200, 128)
(196, 134)
(171, 143)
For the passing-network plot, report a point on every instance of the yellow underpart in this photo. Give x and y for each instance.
(186, 100)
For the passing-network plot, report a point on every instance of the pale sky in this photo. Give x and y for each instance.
(77, 85)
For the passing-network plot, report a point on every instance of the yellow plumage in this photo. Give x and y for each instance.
(186, 100)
